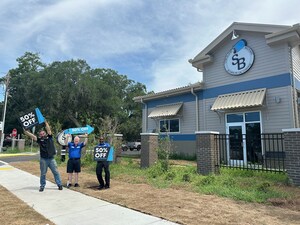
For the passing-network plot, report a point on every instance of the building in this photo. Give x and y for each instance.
(251, 78)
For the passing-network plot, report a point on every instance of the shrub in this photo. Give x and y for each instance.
(170, 175)
(208, 180)
(186, 177)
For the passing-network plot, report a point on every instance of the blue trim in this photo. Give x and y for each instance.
(281, 80)
(181, 137)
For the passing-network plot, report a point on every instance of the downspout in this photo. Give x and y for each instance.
(197, 109)
(145, 116)
(294, 100)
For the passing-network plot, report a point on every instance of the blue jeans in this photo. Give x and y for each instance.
(51, 163)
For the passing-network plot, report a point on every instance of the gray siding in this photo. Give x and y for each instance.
(278, 116)
(187, 120)
(275, 116)
(269, 61)
(211, 121)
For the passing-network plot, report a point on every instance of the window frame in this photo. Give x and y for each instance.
(168, 120)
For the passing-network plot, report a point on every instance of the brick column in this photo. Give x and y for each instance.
(292, 154)
(149, 142)
(207, 152)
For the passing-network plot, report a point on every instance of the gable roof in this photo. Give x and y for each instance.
(274, 34)
(171, 92)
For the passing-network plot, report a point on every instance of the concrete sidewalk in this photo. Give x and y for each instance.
(69, 207)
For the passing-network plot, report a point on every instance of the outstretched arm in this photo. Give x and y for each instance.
(85, 138)
(48, 129)
(30, 135)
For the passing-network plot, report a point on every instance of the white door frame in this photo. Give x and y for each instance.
(235, 161)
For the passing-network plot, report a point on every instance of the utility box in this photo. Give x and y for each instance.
(21, 144)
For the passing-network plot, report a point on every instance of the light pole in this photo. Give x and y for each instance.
(4, 111)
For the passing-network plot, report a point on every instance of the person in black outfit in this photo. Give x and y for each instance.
(47, 153)
(100, 166)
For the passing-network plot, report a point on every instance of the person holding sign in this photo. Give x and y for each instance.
(74, 164)
(103, 164)
(47, 153)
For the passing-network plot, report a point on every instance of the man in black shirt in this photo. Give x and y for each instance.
(47, 152)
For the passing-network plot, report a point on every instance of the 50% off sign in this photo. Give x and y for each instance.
(28, 120)
(101, 153)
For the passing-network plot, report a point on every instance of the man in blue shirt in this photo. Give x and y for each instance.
(100, 166)
(74, 163)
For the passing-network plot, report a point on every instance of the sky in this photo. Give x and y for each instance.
(149, 41)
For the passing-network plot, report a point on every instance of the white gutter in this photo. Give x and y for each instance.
(145, 114)
(197, 109)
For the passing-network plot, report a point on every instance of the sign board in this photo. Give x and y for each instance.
(110, 157)
(80, 130)
(61, 138)
(101, 153)
(31, 119)
(239, 59)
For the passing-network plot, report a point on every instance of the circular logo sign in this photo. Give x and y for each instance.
(61, 138)
(240, 59)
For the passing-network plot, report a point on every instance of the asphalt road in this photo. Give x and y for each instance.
(131, 153)
(18, 158)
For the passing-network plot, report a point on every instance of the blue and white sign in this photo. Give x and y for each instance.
(80, 130)
(240, 58)
(31, 119)
(63, 139)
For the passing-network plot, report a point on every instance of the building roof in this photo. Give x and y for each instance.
(172, 92)
(274, 34)
(243, 99)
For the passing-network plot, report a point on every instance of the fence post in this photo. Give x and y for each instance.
(207, 152)
(149, 145)
(292, 154)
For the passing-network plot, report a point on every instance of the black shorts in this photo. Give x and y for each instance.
(74, 165)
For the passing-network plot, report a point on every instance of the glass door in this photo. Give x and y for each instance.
(236, 144)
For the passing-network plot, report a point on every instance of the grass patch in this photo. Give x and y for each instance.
(10, 150)
(249, 186)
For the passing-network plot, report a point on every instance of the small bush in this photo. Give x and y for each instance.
(229, 182)
(87, 160)
(164, 165)
(264, 187)
(186, 177)
(156, 170)
(208, 180)
(170, 175)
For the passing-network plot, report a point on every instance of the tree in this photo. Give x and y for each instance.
(70, 93)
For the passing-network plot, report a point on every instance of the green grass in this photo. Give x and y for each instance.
(10, 150)
(249, 186)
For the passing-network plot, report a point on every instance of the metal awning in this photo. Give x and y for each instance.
(165, 110)
(240, 99)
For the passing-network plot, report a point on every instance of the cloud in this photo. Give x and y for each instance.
(149, 41)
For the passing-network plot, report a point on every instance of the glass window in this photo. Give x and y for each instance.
(233, 118)
(163, 126)
(169, 125)
(252, 116)
(174, 125)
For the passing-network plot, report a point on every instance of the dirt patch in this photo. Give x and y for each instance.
(16, 212)
(179, 205)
